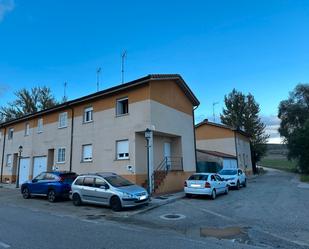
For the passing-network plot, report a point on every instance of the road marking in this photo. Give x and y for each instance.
(2, 244)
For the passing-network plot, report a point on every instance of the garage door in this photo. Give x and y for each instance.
(39, 165)
(24, 170)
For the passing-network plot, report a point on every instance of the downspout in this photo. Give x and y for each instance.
(236, 148)
(71, 146)
(193, 109)
(3, 149)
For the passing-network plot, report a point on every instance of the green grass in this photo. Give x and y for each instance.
(304, 178)
(278, 163)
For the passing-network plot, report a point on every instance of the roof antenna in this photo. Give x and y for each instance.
(65, 98)
(98, 78)
(123, 57)
(213, 111)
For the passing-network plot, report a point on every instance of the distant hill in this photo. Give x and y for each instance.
(277, 150)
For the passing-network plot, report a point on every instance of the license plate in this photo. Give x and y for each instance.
(143, 197)
(196, 185)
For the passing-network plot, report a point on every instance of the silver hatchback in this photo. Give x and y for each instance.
(108, 189)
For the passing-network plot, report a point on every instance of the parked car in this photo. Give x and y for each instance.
(234, 177)
(108, 189)
(205, 184)
(51, 184)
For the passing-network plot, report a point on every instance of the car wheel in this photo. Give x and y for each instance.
(226, 190)
(245, 183)
(188, 195)
(26, 193)
(213, 194)
(51, 195)
(238, 185)
(115, 203)
(76, 200)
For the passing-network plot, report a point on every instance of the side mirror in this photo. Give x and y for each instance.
(34, 180)
(104, 187)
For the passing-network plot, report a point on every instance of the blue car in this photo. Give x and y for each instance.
(54, 185)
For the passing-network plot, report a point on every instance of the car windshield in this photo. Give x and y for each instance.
(228, 172)
(198, 178)
(117, 181)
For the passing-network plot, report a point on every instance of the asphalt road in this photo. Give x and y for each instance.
(271, 212)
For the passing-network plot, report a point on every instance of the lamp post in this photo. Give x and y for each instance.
(20, 150)
(148, 135)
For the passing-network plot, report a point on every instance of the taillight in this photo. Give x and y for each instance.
(207, 185)
(185, 184)
(61, 179)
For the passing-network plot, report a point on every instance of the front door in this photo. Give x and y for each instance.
(24, 170)
(39, 165)
(167, 154)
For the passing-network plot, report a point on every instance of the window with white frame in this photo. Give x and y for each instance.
(10, 134)
(88, 114)
(122, 149)
(61, 155)
(27, 129)
(40, 125)
(87, 153)
(63, 120)
(9, 160)
(122, 106)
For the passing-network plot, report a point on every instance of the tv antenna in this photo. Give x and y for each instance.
(98, 78)
(213, 111)
(65, 98)
(123, 57)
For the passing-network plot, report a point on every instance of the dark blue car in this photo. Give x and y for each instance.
(54, 185)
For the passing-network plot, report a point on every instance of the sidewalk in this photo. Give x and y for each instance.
(8, 185)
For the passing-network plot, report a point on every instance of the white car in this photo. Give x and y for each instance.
(205, 184)
(234, 177)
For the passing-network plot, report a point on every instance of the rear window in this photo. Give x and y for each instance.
(68, 177)
(118, 181)
(198, 177)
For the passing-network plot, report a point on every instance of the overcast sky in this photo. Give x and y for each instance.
(254, 46)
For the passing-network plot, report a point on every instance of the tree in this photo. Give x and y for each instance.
(294, 126)
(27, 102)
(242, 112)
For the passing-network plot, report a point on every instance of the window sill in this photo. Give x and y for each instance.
(39, 132)
(121, 115)
(87, 122)
(122, 159)
(62, 127)
(60, 162)
(86, 161)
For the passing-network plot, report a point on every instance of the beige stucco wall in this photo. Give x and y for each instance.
(225, 145)
(243, 152)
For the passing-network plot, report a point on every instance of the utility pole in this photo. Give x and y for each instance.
(213, 111)
(98, 78)
(123, 57)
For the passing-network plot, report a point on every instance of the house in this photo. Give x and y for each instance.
(230, 145)
(105, 131)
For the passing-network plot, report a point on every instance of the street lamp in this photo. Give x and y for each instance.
(20, 150)
(148, 134)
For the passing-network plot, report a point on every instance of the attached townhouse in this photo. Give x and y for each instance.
(105, 132)
(230, 146)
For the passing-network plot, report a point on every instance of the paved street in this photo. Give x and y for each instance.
(271, 212)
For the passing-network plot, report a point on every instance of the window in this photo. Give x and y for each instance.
(0, 135)
(79, 181)
(11, 132)
(99, 183)
(27, 129)
(61, 155)
(122, 149)
(63, 118)
(122, 106)
(40, 125)
(87, 153)
(40, 177)
(9, 160)
(88, 114)
(89, 181)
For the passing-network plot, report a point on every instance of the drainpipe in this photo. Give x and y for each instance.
(71, 146)
(193, 117)
(236, 148)
(3, 149)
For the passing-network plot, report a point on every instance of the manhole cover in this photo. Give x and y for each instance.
(172, 216)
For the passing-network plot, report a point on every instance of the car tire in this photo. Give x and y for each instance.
(51, 195)
(238, 185)
(188, 195)
(226, 190)
(115, 203)
(77, 201)
(245, 183)
(26, 193)
(213, 194)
